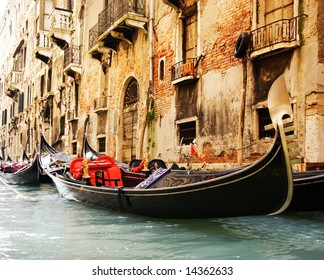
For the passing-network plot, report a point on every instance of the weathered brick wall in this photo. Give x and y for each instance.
(219, 35)
(164, 40)
(320, 29)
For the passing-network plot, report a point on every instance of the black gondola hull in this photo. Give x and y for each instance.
(260, 189)
(308, 191)
(28, 175)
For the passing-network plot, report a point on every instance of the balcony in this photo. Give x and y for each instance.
(72, 61)
(61, 27)
(43, 47)
(72, 115)
(118, 21)
(184, 71)
(101, 104)
(13, 83)
(277, 36)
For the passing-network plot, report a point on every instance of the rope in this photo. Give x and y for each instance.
(14, 190)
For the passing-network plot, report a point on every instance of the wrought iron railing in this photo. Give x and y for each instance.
(116, 10)
(72, 55)
(101, 103)
(280, 31)
(93, 36)
(184, 68)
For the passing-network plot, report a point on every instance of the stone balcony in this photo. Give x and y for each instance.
(43, 47)
(13, 83)
(61, 27)
(101, 104)
(72, 115)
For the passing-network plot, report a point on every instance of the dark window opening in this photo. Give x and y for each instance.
(47, 114)
(187, 132)
(21, 102)
(49, 80)
(264, 119)
(74, 146)
(42, 86)
(62, 125)
(102, 144)
(131, 94)
(161, 70)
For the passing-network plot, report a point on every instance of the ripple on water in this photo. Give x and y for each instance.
(52, 227)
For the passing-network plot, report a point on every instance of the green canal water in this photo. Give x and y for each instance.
(45, 226)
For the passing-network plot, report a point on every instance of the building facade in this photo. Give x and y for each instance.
(150, 76)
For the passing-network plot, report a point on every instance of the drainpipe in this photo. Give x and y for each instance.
(151, 66)
(242, 114)
(151, 30)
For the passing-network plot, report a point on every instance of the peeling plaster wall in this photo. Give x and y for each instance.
(219, 102)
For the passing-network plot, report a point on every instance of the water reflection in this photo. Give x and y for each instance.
(51, 227)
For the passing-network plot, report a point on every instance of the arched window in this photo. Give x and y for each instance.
(130, 117)
(161, 69)
(131, 94)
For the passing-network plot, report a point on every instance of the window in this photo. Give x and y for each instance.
(62, 125)
(102, 145)
(29, 96)
(264, 119)
(276, 25)
(161, 69)
(187, 132)
(74, 146)
(190, 32)
(4, 117)
(131, 94)
(21, 102)
(42, 85)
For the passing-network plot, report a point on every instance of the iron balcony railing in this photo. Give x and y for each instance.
(93, 36)
(72, 55)
(61, 19)
(184, 68)
(101, 103)
(116, 10)
(280, 31)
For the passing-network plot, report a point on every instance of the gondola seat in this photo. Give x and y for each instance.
(102, 172)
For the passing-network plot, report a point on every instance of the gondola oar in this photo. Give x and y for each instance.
(14, 190)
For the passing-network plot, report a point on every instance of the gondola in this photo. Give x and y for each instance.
(308, 185)
(262, 188)
(20, 173)
(92, 154)
(52, 160)
(308, 191)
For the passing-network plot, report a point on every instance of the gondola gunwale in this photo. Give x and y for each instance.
(25, 175)
(79, 192)
(193, 187)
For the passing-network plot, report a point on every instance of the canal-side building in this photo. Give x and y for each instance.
(141, 76)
